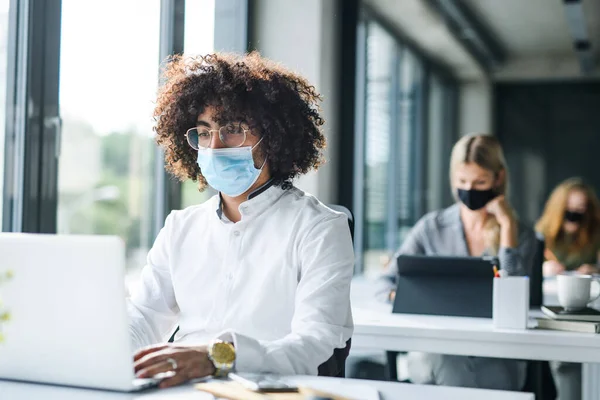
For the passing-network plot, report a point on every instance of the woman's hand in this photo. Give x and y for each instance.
(503, 213)
(191, 362)
(500, 209)
(587, 269)
(552, 268)
(392, 296)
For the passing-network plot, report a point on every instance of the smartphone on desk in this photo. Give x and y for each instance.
(264, 383)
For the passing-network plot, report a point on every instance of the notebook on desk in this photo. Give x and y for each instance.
(315, 387)
(569, 326)
(559, 313)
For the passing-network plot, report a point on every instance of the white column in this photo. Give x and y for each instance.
(302, 35)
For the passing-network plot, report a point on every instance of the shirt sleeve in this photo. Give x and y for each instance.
(412, 245)
(322, 318)
(152, 307)
(518, 261)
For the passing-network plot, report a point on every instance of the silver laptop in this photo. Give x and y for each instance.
(68, 320)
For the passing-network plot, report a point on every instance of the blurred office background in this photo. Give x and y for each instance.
(401, 80)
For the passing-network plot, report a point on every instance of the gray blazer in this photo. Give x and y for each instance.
(442, 233)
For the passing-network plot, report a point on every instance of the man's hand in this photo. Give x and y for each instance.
(191, 363)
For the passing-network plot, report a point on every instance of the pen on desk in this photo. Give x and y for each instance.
(496, 273)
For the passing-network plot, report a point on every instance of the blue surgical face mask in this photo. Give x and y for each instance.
(231, 171)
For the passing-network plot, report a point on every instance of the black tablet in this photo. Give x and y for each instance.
(451, 286)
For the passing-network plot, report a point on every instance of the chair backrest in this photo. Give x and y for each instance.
(337, 207)
(536, 278)
(336, 365)
(342, 209)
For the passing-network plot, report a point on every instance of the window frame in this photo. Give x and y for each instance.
(419, 131)
(32, 131)
(33, 124)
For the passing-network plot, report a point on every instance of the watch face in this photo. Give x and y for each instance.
(223, 353)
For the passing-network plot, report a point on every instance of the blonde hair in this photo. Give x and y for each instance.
(551, 221)
(486, 152)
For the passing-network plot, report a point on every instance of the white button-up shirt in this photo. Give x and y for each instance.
(276, 283)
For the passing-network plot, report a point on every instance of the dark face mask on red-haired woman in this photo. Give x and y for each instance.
(575, 211)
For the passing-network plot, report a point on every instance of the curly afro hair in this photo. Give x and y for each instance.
(277, 104)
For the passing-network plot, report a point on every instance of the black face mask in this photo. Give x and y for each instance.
(573, 216)
(476, 199)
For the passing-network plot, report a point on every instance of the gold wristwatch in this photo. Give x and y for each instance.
(222, 355)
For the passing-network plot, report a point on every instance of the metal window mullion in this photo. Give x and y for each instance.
(423, 139)
(167, 189)
(16, 102)
(450, 114)
(49, 123)
(418, 138)
(394, 132)
(359, 147)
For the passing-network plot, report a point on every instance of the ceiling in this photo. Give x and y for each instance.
(534, 33)
(416, 20)
(533, 28)
(537, 37)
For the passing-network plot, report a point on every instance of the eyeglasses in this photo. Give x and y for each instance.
(231, 135)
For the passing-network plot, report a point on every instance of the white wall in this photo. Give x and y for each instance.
(302, 35)
(475, 108)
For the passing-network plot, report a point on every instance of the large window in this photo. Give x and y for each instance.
(78, 82)
(108, 80)
(78, 147)
(379, 88)
(442, 134)
(408, 183)
(404, 135)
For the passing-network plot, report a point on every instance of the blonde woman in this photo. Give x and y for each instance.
(481, 222)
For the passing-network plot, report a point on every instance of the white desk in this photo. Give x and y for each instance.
(382, 330)
(387, 391)
(376, 328)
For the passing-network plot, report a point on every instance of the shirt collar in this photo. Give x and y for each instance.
(258, 200)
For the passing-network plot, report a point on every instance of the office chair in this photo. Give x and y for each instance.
(342, 209)
(536, 278)
(335, 366)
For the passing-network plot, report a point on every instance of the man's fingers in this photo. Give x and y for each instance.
(178, 379)
(149, 350)
(150, 360)
(155, 369)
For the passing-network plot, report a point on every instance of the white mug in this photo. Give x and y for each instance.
(574, 291)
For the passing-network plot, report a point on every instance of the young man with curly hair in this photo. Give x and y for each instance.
(258, 277)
